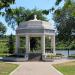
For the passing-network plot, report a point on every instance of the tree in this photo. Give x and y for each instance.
(40, 15)
(59, 1)
(2, 29)
(65, 21)
(15, 16)
(67, 4)
(11, 44)
(6, 3)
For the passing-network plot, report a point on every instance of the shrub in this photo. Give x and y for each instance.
(11, 44)
(21, 50)
(50, 56)
(72, 56)
(59, 55)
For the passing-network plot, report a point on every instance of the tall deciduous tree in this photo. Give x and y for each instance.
(15, 16)
(65, 21)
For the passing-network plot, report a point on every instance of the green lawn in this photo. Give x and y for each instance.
(66, 68)
(7, 68)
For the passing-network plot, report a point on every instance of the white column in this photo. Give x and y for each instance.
(43, 44)
(53, 43)
(17, 44)
(27, 44)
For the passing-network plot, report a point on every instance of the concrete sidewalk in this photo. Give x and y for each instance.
(37, 68)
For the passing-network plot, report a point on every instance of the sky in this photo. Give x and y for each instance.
(31, 4)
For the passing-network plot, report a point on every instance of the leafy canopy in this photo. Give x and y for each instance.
(6, 3)
(15, 16)
(65, 20)
(2, 28)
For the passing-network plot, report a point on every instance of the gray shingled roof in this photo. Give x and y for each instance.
(34, 26)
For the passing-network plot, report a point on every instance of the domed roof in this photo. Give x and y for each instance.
(34, 25)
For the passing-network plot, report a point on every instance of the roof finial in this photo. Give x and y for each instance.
(35, 17)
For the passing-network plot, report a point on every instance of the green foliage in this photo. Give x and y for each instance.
(72, 45)
(57, 2)
(50, 56)
(6, 3)
(11, 44)
(45, 12)
(66, 45)
(21, 51)
(72, 56)
(67, 4)
(39, 14)
(35, 43)
(59, 55)
(2, 29)
(3, 46)
(65, 21)
(15, 16)
(22, 40)
(47, 43)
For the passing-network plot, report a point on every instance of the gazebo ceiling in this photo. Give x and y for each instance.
(34, 26)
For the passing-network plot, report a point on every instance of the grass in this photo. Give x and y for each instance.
(7, 68)
(4, 54)
(67, 68)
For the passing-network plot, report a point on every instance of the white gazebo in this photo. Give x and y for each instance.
(35, 28)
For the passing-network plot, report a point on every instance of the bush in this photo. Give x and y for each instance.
(59, 55)
(11, 44)
(50, 56)
(3, 46)
(72, 56)
(21, 50)
(65, 45)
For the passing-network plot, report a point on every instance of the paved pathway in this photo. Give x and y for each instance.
(37, 68)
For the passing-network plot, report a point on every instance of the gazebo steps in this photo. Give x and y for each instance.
(35, 56)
